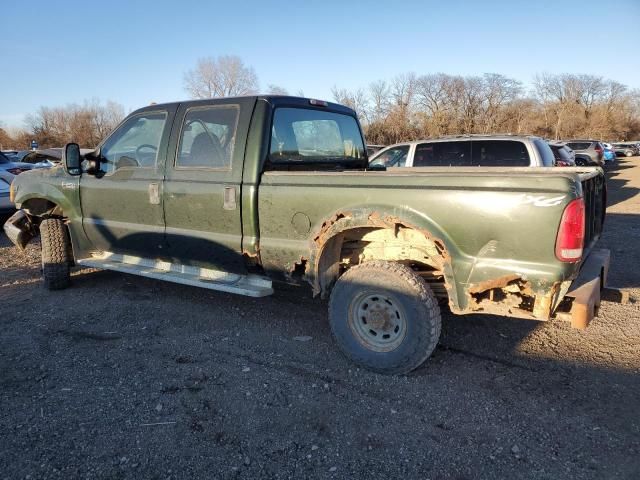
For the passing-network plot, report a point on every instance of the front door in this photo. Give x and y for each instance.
(122, 209)
(203, 182)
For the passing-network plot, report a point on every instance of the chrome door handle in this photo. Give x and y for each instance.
(154, 194)
(229, 202)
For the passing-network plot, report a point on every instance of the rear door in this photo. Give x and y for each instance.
(122, 207)
(203, 184)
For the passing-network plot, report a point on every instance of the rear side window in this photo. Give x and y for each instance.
(544, 150)
(501, 153)
(208, 136)
(302, 135)
(443, 154)
(579, 145)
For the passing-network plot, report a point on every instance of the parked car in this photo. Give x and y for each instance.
(609, 154)
(10, 154)
(6, 206)
(45, 158)
(588, 152)
(624, 150)
(13, 167)
(468, 151)
(231, 194)
(564, 156)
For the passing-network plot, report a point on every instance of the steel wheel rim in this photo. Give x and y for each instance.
(378, 321)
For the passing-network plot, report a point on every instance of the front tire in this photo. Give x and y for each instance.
(628, 154)
(384, 317)
(56, 257)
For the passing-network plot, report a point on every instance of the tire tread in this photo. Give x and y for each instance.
(56, 256)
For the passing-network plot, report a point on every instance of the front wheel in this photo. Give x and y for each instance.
(56, 257)
(384, 317)
(628, 154)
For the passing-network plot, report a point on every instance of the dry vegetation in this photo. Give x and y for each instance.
(85, 124)
(559, 106)
(408, 107)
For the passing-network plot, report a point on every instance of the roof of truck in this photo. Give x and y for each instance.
(274, 100)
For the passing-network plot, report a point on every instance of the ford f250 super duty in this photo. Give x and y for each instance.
(230, 194)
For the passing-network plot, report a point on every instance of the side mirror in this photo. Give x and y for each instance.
(71, 159)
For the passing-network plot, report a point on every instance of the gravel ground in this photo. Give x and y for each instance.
(125, 377)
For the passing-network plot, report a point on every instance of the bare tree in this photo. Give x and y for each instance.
(379, 94)
(357, 100)
(276, 90)
(86, 124)
(224, 76)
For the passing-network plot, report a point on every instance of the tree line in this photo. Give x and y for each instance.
(558, 106)
(407, 107)
(86, 124)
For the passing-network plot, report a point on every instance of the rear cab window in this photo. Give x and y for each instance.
(305, 137)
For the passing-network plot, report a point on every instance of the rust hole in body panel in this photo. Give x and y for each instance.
(504, 294)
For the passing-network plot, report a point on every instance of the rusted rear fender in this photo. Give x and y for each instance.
(376, 216)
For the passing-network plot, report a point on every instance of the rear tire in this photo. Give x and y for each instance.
(628, 154)
(384, 317)
(56, 253)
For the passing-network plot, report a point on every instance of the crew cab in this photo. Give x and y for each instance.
(233, 194)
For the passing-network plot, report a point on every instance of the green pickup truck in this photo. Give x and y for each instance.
(231, 194)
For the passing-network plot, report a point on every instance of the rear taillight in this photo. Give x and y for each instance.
(598, 148)
(570, 240)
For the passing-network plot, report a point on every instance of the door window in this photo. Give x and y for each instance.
(500, 153)
(207, 138)
(135, 144)
(443, 154)
(394, 157)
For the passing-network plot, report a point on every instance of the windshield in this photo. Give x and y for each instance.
(301, 135)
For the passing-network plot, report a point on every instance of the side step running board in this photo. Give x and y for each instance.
(249, 285)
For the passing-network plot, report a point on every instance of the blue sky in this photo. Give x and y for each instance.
(135, 52)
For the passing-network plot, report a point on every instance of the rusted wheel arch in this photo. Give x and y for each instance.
(327, 247)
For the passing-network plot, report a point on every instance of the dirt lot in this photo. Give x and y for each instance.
(124, 377)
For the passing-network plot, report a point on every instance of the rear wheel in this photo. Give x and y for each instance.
(56, 253)
(628, 154)
(580, 162)
(384, 317)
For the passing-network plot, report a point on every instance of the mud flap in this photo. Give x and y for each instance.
(585, 290)
(19, 229)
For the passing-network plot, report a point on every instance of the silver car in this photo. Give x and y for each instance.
(468, 151)
(5, 182)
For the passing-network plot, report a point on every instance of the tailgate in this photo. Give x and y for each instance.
(594, 191)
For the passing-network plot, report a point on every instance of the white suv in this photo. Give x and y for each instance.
(468, 151)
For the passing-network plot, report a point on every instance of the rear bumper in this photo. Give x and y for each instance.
(585, 289)
(19, 229)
